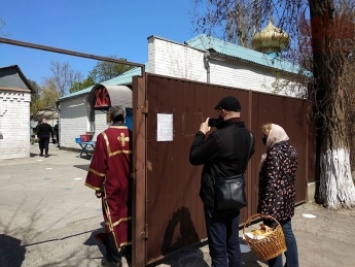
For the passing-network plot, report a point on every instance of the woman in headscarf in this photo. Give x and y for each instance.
(277, 188)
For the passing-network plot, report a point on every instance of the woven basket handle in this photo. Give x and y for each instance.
(257, 215)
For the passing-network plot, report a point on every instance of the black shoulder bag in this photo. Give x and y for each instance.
(230, 191)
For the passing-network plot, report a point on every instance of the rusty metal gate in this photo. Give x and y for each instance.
(168, 213)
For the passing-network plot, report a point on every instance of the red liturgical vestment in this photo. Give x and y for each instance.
(109, 172)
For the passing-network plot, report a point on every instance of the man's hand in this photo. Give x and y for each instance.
(204, 126)
(98, 193)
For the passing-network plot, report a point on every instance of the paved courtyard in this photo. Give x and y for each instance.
(49, 218)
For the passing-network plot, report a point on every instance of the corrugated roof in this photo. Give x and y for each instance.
(123, 79)
(208, 43)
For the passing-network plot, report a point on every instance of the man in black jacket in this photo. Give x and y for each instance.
(44, 133)
(224, 154)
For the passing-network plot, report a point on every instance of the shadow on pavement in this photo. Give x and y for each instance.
(84, 167)
(179, 233)
(92, 241)
(11, 252)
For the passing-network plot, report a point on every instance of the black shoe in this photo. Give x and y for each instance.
(128, 255)
(106, 263)
(41, 155)
(46, 156)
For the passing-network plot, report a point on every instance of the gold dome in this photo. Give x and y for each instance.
(270, 39)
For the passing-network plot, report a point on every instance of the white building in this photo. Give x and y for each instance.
(202, 59)
(15, 98)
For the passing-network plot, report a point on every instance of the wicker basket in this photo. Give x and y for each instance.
(272, 245)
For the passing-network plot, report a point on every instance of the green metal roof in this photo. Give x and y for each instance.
(123, 79)
(207, 43)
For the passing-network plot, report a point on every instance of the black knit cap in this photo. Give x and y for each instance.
(229, 103)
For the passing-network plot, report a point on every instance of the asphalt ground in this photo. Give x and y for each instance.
(49, 218)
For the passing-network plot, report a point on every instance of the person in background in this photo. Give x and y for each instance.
(33, 125)
(224, 153)
(108, 175)
(277, 188)
(44, 132)
(56, 132)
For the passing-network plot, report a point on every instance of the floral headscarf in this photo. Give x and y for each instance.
(277, 134)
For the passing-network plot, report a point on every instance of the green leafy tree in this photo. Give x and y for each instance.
(35, 97)
(331, 58)
(78, 86)
(104, 71)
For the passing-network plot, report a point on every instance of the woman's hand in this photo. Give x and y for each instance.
(265, 216)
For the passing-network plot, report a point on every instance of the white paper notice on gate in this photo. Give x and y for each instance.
(165, 127)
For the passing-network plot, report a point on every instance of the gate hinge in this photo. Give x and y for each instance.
(144, 109)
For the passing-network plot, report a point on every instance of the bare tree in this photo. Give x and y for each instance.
(238, 20)
(331, 46)
(333, 39)
(64, 77)
(49, 94)
(2, 25)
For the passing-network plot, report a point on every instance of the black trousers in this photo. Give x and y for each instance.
(43, 145)
(57, 137)
(112, 254)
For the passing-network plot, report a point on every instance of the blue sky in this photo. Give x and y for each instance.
(98, 27)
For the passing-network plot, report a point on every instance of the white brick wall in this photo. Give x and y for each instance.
(181, 61)
(253, 77)
(14, 124)
(175, 60)
(74, 121)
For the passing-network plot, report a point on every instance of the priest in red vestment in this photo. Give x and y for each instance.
(108, 175)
